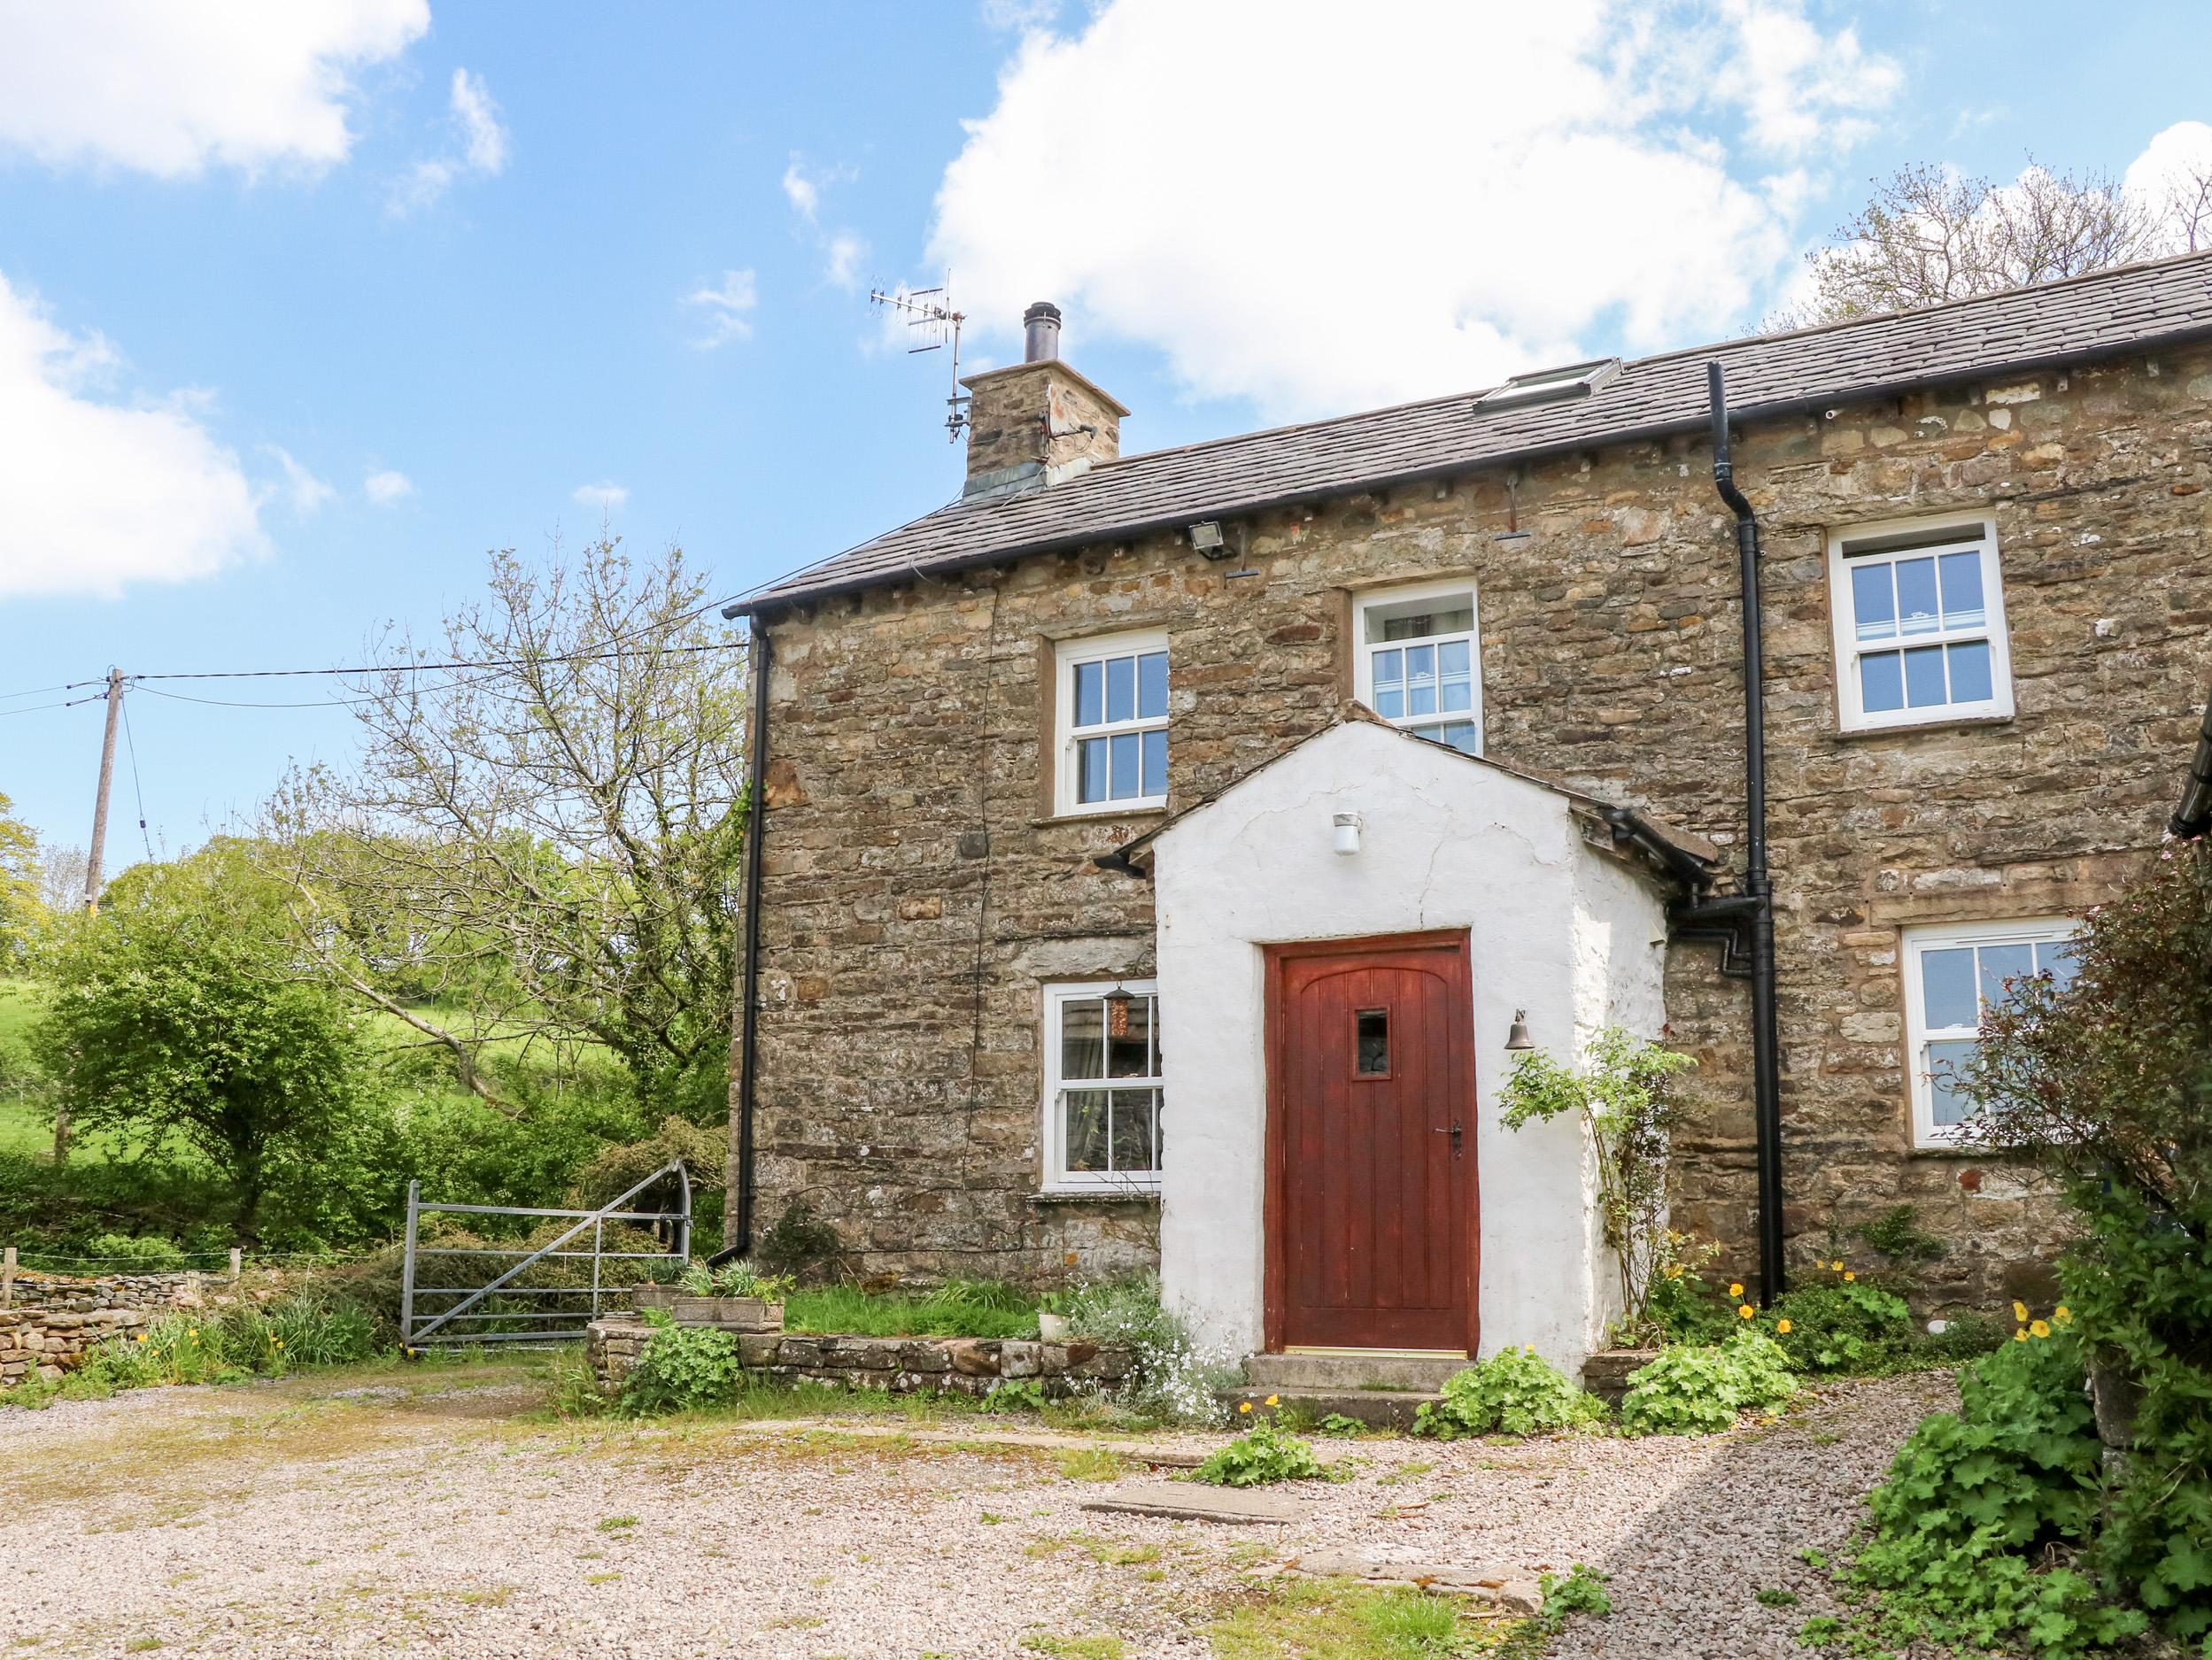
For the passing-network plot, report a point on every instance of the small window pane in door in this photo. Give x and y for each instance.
(1371, 1042)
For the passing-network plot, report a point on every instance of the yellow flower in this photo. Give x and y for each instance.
(1848, 1275)
(142, 1337)
(1528, 1349)
(1736, 1290)
(2061, 1316)
(1836, 1266)
(1273, 1400)
(2019, 1309)
(280, 1343)
(2020, 1334)
(1782, 1325)
(1673, 1270)
(2038, 1328)
(1745, 1312)
(1244, 1406)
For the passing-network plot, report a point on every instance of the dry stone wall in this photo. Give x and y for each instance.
(918, 891)
(44, 1343)
(960, 1365)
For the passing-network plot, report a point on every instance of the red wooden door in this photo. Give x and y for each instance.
(1371, 1194)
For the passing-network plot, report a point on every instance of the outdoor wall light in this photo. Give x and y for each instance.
(1206, 537)
(1347, 833)
(1517, 1036)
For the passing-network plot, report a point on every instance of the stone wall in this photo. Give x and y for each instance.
(918, 891)
(962, 1365)
(47, 1342)
(84, 1293)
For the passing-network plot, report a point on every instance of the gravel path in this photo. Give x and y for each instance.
(441, 1516)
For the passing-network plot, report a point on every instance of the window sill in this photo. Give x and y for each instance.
(1091, 816)
(1962, 1150)
(1906, 728)
(1096, 1196)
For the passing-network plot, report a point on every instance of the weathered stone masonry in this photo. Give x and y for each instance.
(917, 890)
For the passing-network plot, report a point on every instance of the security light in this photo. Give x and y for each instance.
(1206, 537)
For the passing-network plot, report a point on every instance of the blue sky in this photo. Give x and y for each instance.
(458, 249)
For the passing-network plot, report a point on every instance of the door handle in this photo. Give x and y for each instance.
(1455, 1134)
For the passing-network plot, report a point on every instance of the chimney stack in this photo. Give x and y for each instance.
(1037, 422)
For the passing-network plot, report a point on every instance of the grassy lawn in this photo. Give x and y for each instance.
(961, 1308)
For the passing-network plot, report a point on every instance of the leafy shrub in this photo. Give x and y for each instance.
(1172, 1379)
(1692, 1390)
(1262, 1455)
(1015, 1395)
(684, 1369)
(1515, 1391)
(740, 1278)
(1897, 1235)
(1845, 1325)
(130, 1254)
(1976, 1498)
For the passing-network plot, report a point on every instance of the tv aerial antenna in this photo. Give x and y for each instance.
(932, 321)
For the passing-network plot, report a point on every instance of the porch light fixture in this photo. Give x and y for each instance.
(1117, 1001)
(1517, 1039)
(1206, 537)
(1347, 833)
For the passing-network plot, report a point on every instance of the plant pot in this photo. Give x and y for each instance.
(651, 1295)
(733, 1314)
(1051, 1328)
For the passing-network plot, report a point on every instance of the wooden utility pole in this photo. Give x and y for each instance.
(93, 859)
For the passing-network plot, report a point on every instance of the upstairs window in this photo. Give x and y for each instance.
(1112, 719)
(1103, 1087)
(1951, 974)
(1920, 624)
(1419, 663)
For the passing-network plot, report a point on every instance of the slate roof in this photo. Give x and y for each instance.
(2107, 313)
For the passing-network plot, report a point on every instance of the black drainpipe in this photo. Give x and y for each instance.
(749, 970)
(2194, 817)
(1758, 885)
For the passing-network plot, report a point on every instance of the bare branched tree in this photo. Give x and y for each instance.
(548, 843)
(1929, 235)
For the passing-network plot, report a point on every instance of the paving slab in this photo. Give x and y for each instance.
(1511, 1591)
(1193, 1502)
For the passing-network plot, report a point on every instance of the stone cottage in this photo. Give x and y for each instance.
(1164, 855)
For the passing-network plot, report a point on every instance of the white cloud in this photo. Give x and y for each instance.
(2172, 182)
(102, 494)
(843, 250)
(388, 488)
(303, 490)
(727, 309)
(606, 495)
(1321, 216)
(481, 147)
(169, 90)
(1013, 16)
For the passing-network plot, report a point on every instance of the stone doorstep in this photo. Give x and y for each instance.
(1509, 1592)
(1191, 1501)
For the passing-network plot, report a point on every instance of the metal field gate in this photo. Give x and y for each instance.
(545, 1295)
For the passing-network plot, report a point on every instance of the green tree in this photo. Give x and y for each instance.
(555, 834)
(22, 909)
(183, 1013)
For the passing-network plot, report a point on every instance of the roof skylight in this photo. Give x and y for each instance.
(1544, 386)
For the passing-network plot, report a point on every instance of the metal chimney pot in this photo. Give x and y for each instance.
(1040, 333)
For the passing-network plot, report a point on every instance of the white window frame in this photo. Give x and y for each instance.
(1067, 654)
(1974, 531)
(1058, 1177)
(1362, 653)
(1912, 944)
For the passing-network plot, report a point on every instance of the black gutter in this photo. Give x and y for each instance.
(1134, 529)
(1758, 884)
(2194, 817)
(740, 1236)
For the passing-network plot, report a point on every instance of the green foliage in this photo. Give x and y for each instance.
(175, 1013)
(22, 910)
(1841, 1325)
(1515, 1391)
(1630, 1113)
(740, 1278)
(684, 1369)
(960, 1308)
(1774, 1597)
(226, 1345)
(2109, 1082)
(1898, 1236)
(1339, 1619)
(1980, 1503)
(129, 1253)
(798, 1242)
(1263, 1455)
(1580, 1590)
(1701, 1390)
(1015, 1395)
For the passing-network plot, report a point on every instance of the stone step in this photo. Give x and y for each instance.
(1377, 1409)
(1348, 1372)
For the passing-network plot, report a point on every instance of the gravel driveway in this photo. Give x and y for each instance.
(442, 1514)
